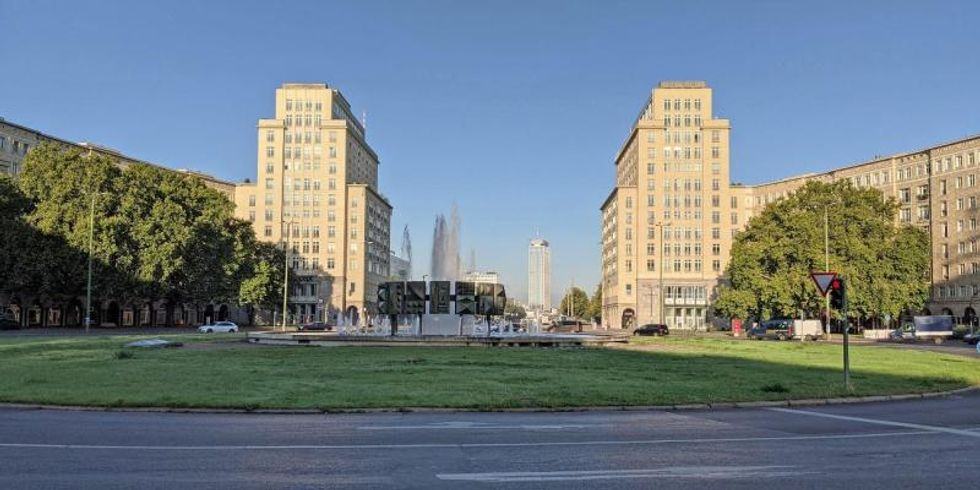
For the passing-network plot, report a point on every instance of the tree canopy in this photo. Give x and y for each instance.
(595, 305)
(886, 265)
(575, 303)
(514, 309)
(156, 234)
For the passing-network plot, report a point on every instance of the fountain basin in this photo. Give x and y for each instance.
(332, 339)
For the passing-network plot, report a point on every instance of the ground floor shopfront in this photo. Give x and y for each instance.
(45, 312)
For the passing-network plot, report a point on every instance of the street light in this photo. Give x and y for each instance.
(88, 288)
(661, 224)
(285, 274)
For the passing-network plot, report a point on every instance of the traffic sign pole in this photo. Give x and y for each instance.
(847, 359)
(826, 281)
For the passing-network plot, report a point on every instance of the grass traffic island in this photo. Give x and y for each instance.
(218, 372)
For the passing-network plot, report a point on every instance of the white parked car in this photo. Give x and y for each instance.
(227, 327)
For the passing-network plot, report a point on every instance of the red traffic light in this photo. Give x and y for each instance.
(836, 285)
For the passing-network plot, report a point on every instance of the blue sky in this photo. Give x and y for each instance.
(512, 110)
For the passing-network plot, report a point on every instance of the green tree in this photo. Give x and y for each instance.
(158, 234)
(595, 305)
(16, 246)
(514, 309)
(62, 186)
(575, 303)
(886, 266)
(261, 289)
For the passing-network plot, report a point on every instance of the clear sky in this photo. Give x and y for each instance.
(512, 110)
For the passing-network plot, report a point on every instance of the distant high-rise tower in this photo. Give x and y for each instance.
(539, 275)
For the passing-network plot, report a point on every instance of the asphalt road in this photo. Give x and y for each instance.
(915, 444)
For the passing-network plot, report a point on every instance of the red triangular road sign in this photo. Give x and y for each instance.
(823, 280)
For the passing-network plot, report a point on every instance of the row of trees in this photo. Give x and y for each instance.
(155, 235)
(576, 303)
(887, 265)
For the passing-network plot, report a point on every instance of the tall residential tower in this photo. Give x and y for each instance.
(539, 275)
(668, 223)
(317, 193)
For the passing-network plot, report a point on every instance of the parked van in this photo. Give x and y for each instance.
(807, 329)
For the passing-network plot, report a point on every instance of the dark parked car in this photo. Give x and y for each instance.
(314, 326)
(9, 324)
(780, 329)
(652, 329)
(972, 338)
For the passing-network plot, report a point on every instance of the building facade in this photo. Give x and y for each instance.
(16, 141)
(539, 275)
(936, 188)
(316, 193)
(399, 269)
(482, 276)
(668, 223)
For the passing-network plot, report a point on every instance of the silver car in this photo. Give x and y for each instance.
(224, 326)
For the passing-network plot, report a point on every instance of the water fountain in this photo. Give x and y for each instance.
(439, 329)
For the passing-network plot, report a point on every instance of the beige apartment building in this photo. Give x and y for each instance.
(316, 191)
(668, 223)
(16, 140)
(936, 188)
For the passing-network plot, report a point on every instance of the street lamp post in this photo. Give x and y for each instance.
(88, 289)
(285, 276)
(661, 224)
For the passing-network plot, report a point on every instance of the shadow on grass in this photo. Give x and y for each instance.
(91, 372)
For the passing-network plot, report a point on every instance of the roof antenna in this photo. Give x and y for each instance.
(364, 119)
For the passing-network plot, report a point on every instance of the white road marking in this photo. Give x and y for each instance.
(642, 442)
(905, 425)
(478, 426)
(706, 472)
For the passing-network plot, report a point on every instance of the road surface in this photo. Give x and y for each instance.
(898, 445)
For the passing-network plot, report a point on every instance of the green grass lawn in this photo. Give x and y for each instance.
(211, 372)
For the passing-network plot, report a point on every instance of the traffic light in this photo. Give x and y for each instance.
(415, 298)
(838, 293)
(484, 298)
(465, 298)
(439, 297)
(383, 302)
(396, 298)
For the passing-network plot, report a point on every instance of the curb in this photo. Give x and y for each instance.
(609, 408)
